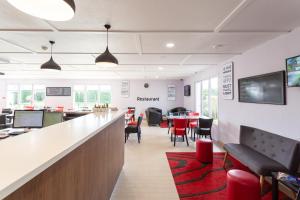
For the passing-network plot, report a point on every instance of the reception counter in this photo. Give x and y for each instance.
(80, 159)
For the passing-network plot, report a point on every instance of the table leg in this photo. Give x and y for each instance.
(298, 195)
(274, 188)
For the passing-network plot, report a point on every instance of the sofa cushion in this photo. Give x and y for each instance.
(254, 160)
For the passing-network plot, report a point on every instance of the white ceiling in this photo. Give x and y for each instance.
(140, 31)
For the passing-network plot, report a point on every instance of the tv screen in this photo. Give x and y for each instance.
(263, 89)
(293, 71)
(187, 90)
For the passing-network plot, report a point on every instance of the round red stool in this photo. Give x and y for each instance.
(242, 185)
(204, 150)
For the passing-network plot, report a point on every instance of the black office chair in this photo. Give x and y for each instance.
(134, 129)
(204, 128)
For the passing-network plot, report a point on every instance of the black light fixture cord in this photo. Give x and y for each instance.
(107, 37)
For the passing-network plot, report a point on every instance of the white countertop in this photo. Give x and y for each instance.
(25, 156)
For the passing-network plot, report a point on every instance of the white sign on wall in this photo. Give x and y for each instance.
(227, 81)
(171, 92)
(125, 89)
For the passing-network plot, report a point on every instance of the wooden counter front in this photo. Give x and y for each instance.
(89, 172)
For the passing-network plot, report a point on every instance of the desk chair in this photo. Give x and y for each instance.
(134, 129)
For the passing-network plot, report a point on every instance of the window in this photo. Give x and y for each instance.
(207, 97)
(105, 94)
(19, 96)
(79, 99)
(92, 95)
(12, 96)
(26, 95)
(204, 98)
(39, 92)
(88, 96)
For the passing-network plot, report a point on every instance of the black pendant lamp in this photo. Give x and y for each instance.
(106, 59)
(58, 10)
(51, 64)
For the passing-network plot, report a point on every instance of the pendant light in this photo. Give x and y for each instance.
(51, 64)
(106, 59)
(53, 10)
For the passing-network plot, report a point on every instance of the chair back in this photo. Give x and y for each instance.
(139, 122)
(205, 123)
(193, 114)
(2, 119)
(28, 107)
(180, 123)
(7, 110)
(59, 109)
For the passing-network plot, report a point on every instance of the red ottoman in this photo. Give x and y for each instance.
(204, 150)
(242, 185)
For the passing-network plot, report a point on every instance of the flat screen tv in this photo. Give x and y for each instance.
(187, 90)
(263, 89)
(293, 71)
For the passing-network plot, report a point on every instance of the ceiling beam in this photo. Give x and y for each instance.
(216, 31)
(125, 53)
(17, 45)
(142, 65)
(233, 14)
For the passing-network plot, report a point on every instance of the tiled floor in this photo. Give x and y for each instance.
(146, 174)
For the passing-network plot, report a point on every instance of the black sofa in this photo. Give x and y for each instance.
(264, 152)
(154, 116)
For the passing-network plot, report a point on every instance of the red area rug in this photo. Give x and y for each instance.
(198, 181)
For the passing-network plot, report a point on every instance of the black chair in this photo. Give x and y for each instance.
(134, 129)
(3, 124)
(204, 128)
(7, 110)
(154, 116)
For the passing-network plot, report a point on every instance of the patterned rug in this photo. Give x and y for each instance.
(198, 181)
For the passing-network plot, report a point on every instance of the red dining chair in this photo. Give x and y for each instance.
(179, 129)
(59, 109)
(134, 123)
(193, 123)
(28, 107)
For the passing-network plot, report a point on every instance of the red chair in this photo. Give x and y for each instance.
(193, 123)
(59, 109)
(131, 110)
(179, 129)
(134, 123)
(28, 107)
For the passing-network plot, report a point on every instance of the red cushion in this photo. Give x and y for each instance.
(179, 131)
(193, 124)
(133, 123)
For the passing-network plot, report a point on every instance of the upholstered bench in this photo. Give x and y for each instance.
(264, 152)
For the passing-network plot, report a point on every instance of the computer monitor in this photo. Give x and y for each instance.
(28, 119)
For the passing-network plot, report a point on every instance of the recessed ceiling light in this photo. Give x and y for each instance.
(170, 45)
(216, 46)
(160, 68)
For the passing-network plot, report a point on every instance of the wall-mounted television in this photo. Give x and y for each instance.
(187, 90)
(293, 71)
(263, 89)
(58, 91)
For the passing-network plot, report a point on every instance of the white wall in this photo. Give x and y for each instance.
(157, 88)
(280, 119)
